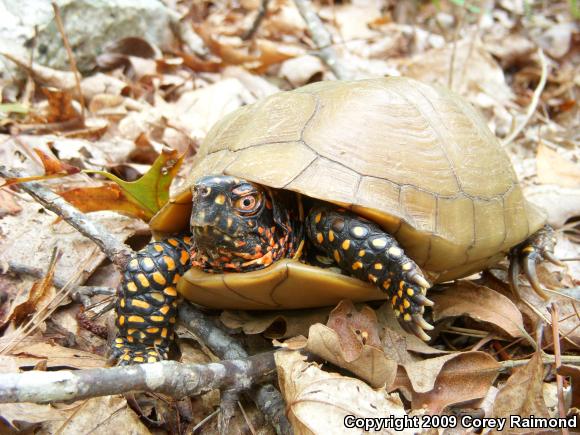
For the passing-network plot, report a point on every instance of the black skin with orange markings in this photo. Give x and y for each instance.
(363, 250)
(238, 226)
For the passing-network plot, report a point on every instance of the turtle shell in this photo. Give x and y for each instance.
(416, 159)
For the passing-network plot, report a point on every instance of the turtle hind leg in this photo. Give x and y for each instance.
(363, 250)
(146, 306)
(537, 248)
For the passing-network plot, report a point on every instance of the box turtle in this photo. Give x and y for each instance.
(366, 190)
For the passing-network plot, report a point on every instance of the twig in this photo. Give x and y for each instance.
(257, 21)
(557, 358)
(114, 249)
(167, 377)
(322, 39)
(228, 404)
(71, 58)
(546, 359)
(535, 99)
(267, 397)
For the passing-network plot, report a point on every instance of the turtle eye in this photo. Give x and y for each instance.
(248, 203)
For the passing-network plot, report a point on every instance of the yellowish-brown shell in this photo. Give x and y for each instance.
(418, 160)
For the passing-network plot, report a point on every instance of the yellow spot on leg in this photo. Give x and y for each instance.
(357, 265)
(159, 278)
(220, 199)
(378, 266)
(136, 319)
(410, 292)
(331, 236)
(407, 317)
(346, 244)
(317, 218)
(319, 238)
(406, 303)
(143, 280)
(362, 253)
(170, 291)
(132, 287)
(139, 304)
(169, 263)
(336, 255)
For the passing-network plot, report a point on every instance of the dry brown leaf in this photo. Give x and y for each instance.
(464, 298)
(318, 402)
(60, 107)
(561, 204)
(355, 328)
(522, 393)
(555, 169)
(22, 415)
(439, 382)
(103, 416)
(276, 324)
(369, 363)
(474, 71)
(30, 352)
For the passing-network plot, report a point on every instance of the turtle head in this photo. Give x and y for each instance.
(236, 224)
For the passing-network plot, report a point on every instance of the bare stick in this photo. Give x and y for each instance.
(558, 362)
(322, 39)
(257, 21)
(71, 57)
(228, 404)
(167, 377)
(535, 100)
(114, 249)
(267, 397)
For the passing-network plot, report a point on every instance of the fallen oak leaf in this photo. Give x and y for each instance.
(141, 198)
(354, 328)
(522, 393)
(464, 298)
(370, 364)
(436, 383)
(106, 197)
(53, 168)
(318, 401)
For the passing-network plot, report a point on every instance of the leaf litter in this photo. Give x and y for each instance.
(355, 359)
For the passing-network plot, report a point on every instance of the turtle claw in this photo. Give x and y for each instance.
(419, 280)
(423, 300)
(539, 247)
(417, 330)
(532, 276)
(422, 323)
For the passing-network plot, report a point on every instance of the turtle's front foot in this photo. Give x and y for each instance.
(537, 248)
(364, 250)
(408, 291)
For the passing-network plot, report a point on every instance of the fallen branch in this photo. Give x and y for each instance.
(266, 397)
(114, 249)
(167, 377)
(257, 21)
(322, 39)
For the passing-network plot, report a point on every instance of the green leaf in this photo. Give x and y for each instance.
(151, 191)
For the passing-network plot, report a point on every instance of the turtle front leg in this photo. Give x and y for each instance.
(146, 305)
(537, 248)
(362, 249)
